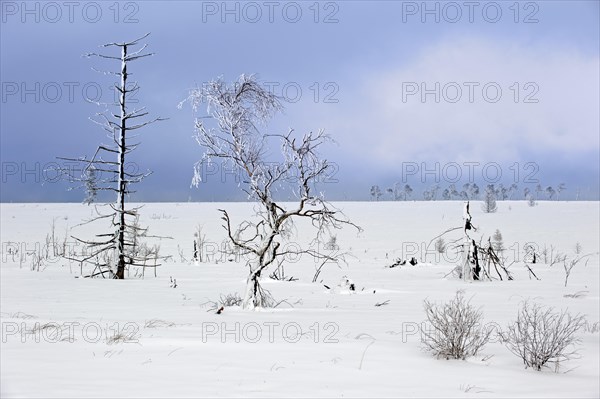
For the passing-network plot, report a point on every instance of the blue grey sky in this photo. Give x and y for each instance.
(418, 93)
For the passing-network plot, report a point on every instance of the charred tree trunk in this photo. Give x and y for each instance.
(122, 181)
(476, 266)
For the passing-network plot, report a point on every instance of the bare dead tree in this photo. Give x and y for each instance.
(117, 178)
(477, 258)
(238, 110)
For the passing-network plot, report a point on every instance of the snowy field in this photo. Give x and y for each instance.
(146, 338)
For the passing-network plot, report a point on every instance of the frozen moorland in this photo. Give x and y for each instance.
(67, 336)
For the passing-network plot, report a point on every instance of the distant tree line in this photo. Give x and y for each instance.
(468, 191)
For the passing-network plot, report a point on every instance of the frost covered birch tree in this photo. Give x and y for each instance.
(238, 111)
(110, 160)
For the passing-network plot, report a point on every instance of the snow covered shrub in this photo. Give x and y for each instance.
(454, 329)
(541, 336)
(225, 301)
(230, 300)
(158, 323)
(124, 337)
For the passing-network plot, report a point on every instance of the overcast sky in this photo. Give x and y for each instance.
(416, 93)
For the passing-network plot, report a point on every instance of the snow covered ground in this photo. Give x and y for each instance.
(144, 338)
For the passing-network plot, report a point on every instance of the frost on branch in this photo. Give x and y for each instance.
(455, 329)
(230, 133)
(542, 337)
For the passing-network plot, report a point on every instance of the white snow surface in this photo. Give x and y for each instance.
(348, 347)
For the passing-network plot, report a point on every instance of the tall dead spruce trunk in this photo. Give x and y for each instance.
(467, 270)
(238, 110)
(115, 250)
